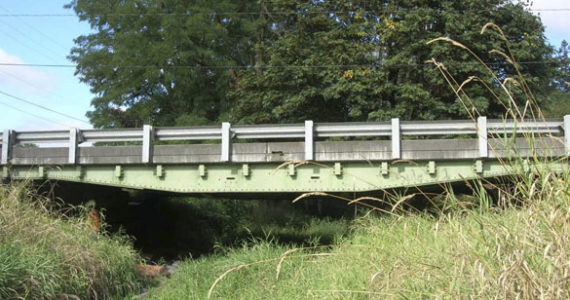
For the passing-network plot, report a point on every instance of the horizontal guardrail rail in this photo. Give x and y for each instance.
(285, 131)
(187, 133)
(309, 131)
(499, 127)
(34, 137)
(438, 128)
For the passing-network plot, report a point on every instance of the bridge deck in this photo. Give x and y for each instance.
(275, 167)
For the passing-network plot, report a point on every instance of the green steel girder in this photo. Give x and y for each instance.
(274, 177)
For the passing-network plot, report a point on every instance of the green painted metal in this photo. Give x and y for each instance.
(279, 178)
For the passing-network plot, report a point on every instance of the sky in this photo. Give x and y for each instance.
(65, 100)
(40, 40)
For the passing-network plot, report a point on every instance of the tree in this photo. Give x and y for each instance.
(190, 62)
(558, 98)
(159, 62)
(365, 60)
(562, 78)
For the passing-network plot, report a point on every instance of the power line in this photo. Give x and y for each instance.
(43, 107)
(26, 45)
(230, 13)
(32, 114)
(49, 38)
(12, 76)
(329, 66)
(38, 65)
(19, 33)
(36, 87)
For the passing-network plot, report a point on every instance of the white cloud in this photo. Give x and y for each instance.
(24, 77)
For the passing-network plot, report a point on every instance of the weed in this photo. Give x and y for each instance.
(43, 256)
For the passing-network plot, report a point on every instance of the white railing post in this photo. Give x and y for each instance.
(567, 133)
(72, 152)
(147, 146)
(396, 139)
(226, 141)
(309, 141)
(6, 146)
(482, 136)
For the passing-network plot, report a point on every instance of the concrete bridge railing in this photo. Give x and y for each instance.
(308, 133)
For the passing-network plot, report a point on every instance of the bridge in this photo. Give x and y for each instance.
(298, 158)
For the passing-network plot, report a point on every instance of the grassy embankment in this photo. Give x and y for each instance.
(46, 256)
(514, 247)
(517, 251)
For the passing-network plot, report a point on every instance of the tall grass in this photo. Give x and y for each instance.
(44, 256)
(509, 253)
(510, 239)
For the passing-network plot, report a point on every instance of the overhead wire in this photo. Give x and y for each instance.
(246, 13)
(269, 66)
(42, 107)
(11, 75)
(237, 13)
(32, 114)
(27, 46)
(33, 41)
(20, 79)
(47, 37)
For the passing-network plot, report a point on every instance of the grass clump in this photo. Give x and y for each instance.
(45, 256)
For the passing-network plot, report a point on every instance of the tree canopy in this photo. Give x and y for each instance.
(558, 103)
(180, 62)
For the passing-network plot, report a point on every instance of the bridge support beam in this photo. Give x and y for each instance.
(482, 136)
(291, 170)
(72, 152)
(159, 171)
(384, 169)
(79, 172)
(118, 172)
(5, 172)
(478, 166)
(431, 167)
(567, 133)
(396, 139)
(6, 146)
(226, 142)
(337, 169)
(309, 142)
(41, 172)
(147, 146)
(245, 170)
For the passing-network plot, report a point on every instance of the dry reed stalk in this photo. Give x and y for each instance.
(297, 163)
(211, 290)
(350, 201)
(283, 256)
(353, 292)
(402, 200)
(286, 253)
